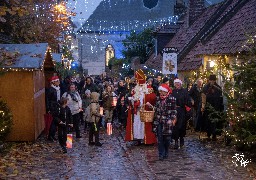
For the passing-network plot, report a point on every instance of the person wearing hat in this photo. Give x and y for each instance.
(212, 94)
(52, 104)
(134, 126)
(164, 119)
(182, 100)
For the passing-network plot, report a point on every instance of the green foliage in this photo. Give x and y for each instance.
(67, 53)
(217, 117)
(241, 95)
(5, 120)
(138, 44)
(64, 72)
(119, 67)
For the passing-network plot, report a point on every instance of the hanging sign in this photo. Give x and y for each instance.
(169, 61)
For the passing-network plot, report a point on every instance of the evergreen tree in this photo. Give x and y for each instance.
(241, 94)
(5, 120)
(138, 44)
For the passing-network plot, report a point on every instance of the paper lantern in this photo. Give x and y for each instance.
(69, 140)
(109, 128)
(114, 102)
(101, 110)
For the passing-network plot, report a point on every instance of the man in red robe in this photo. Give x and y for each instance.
(135, 128)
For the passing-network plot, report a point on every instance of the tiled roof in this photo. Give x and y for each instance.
(184, 35)
(232, 36)
(155, 62)
(27, 55)
(228, 39)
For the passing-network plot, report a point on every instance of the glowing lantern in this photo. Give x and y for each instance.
(109, 128)
(69, 140)
(101, 110)
(114, 102)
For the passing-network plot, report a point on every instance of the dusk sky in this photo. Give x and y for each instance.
(83, 8)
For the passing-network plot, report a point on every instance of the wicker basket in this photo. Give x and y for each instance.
(146, 116)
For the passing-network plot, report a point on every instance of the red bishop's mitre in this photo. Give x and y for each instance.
(140, 77)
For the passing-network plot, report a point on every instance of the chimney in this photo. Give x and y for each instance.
(196, 7)
(179, 8)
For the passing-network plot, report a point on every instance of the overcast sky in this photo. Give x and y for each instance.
(83, 8)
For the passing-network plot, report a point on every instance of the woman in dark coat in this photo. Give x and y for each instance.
(195, 93)
(52, 104)
(182, 99)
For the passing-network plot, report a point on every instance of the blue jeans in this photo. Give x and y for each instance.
(163, 141)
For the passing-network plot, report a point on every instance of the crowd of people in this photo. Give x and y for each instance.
(76, 105)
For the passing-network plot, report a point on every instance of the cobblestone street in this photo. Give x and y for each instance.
(117, 159)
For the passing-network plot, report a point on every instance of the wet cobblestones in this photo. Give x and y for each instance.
(197, 160)
(117, 159)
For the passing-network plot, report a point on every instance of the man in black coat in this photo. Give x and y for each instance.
(53, 95)
(64, 85)
(182, 100)
(212, 94)
(195, 93)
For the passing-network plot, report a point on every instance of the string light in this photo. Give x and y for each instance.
(240, 113)
(11, 69)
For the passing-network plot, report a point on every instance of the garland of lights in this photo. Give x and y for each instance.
(5, 120)
(241, 115)
(236, 118)
(7, 69)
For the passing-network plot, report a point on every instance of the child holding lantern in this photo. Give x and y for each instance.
(64, 121)
(108, 106)
(94, 119)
